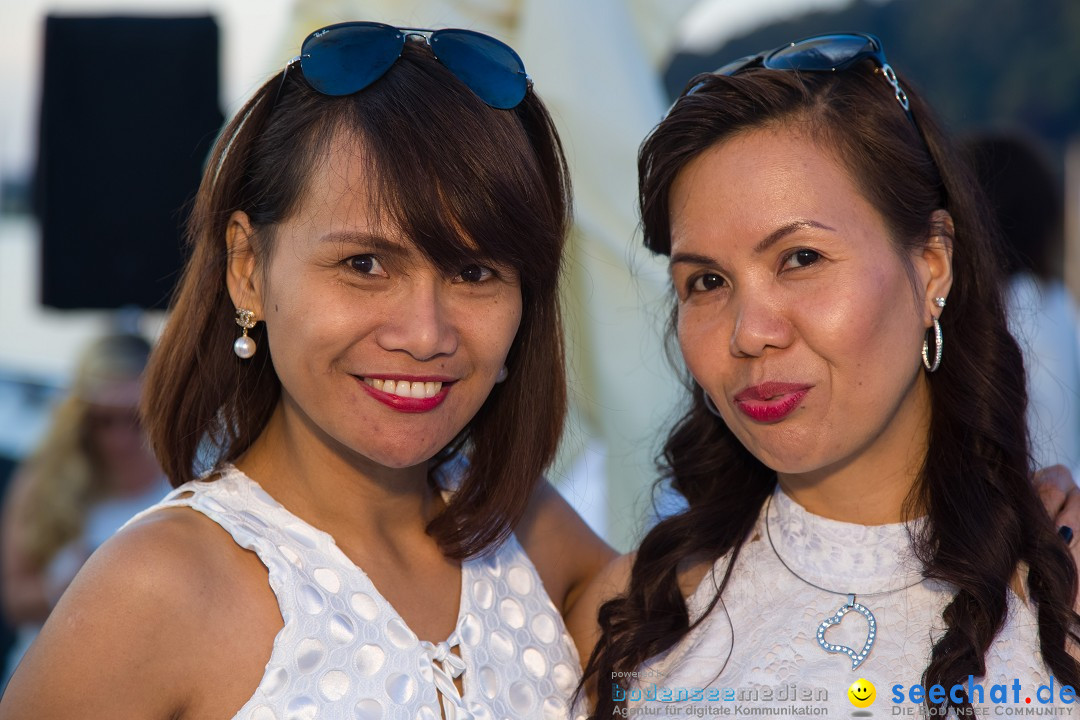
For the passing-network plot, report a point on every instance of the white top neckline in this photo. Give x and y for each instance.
(762, 634)
(445, 665)
(451, 640)
(344, 651)
(842, 557)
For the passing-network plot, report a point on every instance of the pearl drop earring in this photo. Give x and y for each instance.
(244, 347)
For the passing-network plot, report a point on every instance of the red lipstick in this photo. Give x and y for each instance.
(770, 401)
(409, 404)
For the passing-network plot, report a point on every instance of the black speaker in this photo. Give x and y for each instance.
(129, 111)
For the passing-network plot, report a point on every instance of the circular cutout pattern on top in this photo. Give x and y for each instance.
(346, 652)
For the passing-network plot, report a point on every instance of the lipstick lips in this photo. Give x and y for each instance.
(408, 404)
(770, 401)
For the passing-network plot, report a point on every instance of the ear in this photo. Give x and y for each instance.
(934, 264)
(245, 286)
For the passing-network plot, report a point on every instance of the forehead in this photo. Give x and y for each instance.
(346, 194)
(748, 185)
(340, 187)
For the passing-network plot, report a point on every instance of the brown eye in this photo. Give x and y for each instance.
(706, 282)
(475, 274)
(366, 265)
(802, 258)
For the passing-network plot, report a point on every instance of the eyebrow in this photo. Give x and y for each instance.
(691, 259)
(785, 230)
(768, 241)
(367, 240)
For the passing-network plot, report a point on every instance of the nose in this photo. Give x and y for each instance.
(761, 322)
(420, 322)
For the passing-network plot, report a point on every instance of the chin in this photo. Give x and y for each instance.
(784, 448)
(399, 458)
(786, 460)
(786, 467)
(395, 448)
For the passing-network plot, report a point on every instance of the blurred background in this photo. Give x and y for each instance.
(107, 110)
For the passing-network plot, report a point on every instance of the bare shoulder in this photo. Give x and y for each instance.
(566, 552)
(166, 559)
(127, 638)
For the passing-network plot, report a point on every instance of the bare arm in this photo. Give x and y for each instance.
(566, 552)
(123, 641)
(610, 582)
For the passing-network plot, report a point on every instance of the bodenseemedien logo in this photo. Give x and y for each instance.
(644, 699)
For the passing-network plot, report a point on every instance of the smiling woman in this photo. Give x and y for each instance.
(355, 301)
(384, 221)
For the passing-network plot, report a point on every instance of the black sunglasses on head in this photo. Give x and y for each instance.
(820, 53)
(345, 58)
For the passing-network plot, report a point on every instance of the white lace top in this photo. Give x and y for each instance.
(759, 649)
(344, 652)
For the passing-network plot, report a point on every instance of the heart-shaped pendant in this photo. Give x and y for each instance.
(857, 658)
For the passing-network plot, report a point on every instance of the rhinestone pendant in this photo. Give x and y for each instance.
(857, 658)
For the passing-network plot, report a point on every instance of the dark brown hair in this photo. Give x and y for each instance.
(459, 178)
(984, 517)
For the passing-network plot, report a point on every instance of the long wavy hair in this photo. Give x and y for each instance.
(985, 522)
(66, 472)
(463, 180)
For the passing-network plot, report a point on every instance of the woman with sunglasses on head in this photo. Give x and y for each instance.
(385, 223)
(855, 445)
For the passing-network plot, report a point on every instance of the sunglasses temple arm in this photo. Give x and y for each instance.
(284, 74)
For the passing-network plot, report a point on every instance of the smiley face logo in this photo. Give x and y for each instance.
(862, 693)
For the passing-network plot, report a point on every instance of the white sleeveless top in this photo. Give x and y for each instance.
(344, 652)
(758, 649)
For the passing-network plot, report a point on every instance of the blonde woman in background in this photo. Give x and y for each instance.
(92, 471)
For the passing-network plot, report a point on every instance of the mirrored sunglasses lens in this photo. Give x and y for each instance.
(826, 52)
(490, 68)
(344, 60)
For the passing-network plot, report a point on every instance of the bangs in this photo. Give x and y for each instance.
(458, 178)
